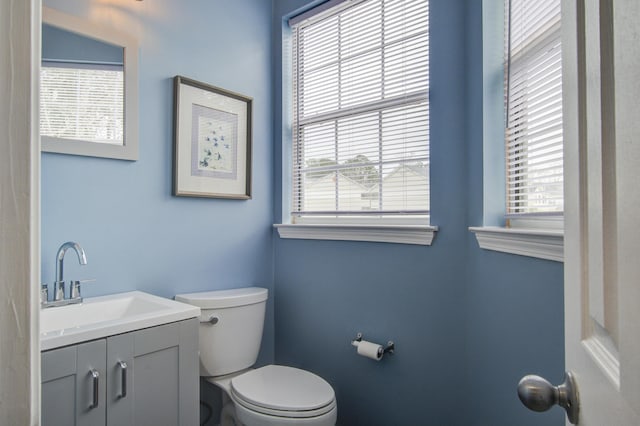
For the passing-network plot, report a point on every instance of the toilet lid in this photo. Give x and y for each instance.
(283, 389)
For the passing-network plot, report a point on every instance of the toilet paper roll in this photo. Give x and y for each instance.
(370, 350)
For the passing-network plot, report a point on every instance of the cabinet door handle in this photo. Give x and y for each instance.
(123, 382)
(95, 378)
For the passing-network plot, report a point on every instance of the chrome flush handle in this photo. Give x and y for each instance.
(213, 320)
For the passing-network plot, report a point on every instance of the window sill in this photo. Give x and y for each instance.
(543, 244)
(401, 234)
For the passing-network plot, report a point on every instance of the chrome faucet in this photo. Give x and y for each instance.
(82, 258)
(58, 285)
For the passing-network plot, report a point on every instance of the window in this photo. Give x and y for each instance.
(532, 145)
(82, 102)
(533, 98)
(361, 113)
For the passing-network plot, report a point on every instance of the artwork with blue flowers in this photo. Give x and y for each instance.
(213, 143)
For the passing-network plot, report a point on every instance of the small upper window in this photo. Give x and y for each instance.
(82, 102)
(361, 112)
(533, 97)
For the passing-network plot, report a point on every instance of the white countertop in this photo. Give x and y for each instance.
(98, 317)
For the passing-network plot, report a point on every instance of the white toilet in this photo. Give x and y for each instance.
(231, 324)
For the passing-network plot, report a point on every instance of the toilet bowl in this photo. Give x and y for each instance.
(231, 325)
(278, 395)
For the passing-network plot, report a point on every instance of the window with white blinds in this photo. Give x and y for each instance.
(533, 97)
(82, 102)
(361, 111)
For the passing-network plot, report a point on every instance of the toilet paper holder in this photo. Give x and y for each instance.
(388, 349)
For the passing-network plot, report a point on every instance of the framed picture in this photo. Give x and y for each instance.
(212, 141)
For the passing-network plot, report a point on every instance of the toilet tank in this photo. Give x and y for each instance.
(231, 324)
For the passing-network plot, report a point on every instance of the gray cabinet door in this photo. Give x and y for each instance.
(58, 387)
(73, 385)
(90, 389)
(120, 383)
(165, 375)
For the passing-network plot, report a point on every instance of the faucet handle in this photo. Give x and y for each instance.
(44, 293)
(75, 288)
(58, 290)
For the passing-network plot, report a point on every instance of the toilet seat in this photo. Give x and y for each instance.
(281, 391)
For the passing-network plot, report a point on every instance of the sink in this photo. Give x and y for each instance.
(103, 316)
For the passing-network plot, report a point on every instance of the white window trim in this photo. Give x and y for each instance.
(401, 234)
(540, 243)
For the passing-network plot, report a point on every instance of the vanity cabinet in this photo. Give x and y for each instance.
(144, 377)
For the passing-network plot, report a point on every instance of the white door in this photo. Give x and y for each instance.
(601, 85)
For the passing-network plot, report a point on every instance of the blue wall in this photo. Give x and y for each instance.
(466, 330)
(135, 233)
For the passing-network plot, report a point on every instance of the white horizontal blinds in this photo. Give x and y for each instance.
(82, 102)
(534, 108)
(361, 110)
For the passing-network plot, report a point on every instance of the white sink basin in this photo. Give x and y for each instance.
(98, 317)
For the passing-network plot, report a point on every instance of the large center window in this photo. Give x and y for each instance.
(361, 113)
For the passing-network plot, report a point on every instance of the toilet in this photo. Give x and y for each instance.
(231, 324)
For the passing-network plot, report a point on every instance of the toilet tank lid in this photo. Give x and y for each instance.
(217, 299)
